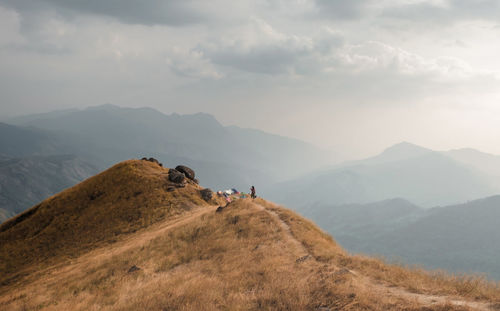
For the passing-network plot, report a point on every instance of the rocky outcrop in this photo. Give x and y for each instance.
(206, 194)
(152, 160)
(189, 173)
(175, 176)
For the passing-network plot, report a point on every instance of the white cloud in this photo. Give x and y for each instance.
(192, 64)
(375, 56)
(259, 48)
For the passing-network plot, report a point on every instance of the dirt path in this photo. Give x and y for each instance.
(383, 289)
(153, 232)
(303, 252)
(125, 244)
(429, 300)
(423, 299)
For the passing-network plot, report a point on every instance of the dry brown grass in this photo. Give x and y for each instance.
(252, 256)
(414, 279)
(240, 259)
(128, 197)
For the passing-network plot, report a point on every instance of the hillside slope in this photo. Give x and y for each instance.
(125, 240)
(129, 196)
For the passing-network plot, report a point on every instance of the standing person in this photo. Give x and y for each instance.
(252, 189)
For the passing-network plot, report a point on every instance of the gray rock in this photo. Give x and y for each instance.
(206, 194)
(175, 176)
(186, 171)
(153, 160)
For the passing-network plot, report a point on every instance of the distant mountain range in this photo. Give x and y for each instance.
(380, 205)
(224, 157)
(459, 238)
(422, 176)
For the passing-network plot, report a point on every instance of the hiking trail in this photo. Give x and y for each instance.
(426, 300)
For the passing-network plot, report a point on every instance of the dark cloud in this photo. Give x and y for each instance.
(147, 12)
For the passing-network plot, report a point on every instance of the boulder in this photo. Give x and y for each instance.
(206, 194)
(153, 160)
(175, 176)
(186, 171)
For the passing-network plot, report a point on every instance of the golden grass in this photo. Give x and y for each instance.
(240, 259)
(128, 197)
(414, 279)
(74, 251)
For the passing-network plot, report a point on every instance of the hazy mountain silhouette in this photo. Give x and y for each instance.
(223, 156)
(421, 176)
(488, 164)
(109, 133)
(458, 238)
(17, 141)
(354, 224)
(398, 152)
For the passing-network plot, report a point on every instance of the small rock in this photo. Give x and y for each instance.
(219, 209)
(206, 194)
(170, 189)
(189, 173)
(133, 269)
(342, 271)
(302, 259)
(175, 176)
(153, 160)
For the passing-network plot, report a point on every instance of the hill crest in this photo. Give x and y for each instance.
(177, 252)
(128, 197)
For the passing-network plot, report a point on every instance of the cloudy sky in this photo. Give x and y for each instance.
(352, 75)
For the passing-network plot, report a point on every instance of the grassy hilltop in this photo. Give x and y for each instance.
(130, 239)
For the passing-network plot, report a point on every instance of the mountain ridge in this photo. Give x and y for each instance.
(425, 177)
(106, 134)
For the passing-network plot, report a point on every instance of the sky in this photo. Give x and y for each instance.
(353, 76)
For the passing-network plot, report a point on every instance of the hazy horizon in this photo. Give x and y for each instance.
(337, 156)
(354, 77)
